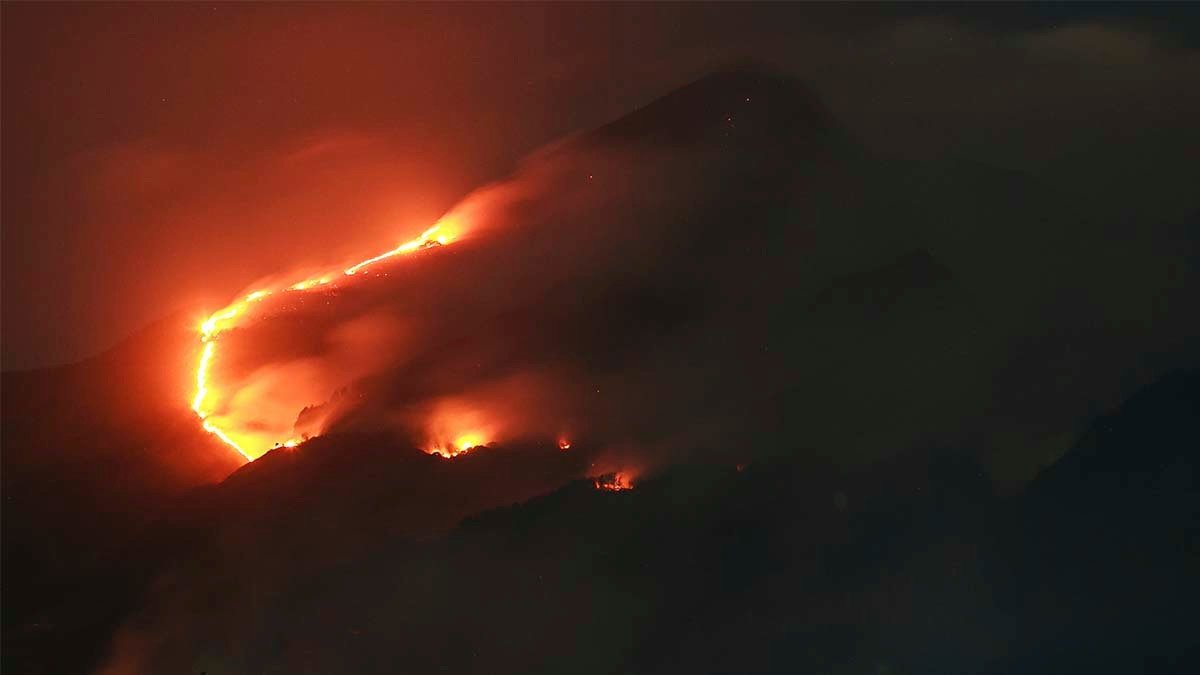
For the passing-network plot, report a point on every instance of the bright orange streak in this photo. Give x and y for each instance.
(407, 247)
(227, 318)
(310, 283)
(202, 378)
(212, 429)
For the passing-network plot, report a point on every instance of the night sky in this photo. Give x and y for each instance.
(159, 158)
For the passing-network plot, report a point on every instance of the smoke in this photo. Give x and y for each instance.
(579, 296)
(723, 271)
(204, 187)
(741, 290)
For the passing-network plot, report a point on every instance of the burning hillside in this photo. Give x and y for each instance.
(718, 276)
(613, 482)
(567, 296)
(221, 412)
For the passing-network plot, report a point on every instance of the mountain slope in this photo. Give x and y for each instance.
(910, 565)
(707, 289)
(94, 453)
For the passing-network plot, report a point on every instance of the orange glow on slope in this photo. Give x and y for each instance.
(426, 240)
(461, 445)
(207, 399)
(454, 426)
(564, 444)
(616, 482)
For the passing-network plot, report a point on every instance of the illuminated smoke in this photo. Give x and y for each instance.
(601, 296)
(207, 398)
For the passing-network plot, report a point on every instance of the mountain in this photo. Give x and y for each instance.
(748, 103)
(807, 355)
(94, 453)
(1108, 542)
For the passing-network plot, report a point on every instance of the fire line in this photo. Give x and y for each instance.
(227, 318)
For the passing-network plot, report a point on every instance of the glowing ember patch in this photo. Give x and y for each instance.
(208, 400)
(613, 482)
(564, 444)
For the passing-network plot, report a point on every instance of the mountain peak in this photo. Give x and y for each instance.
(741, 101)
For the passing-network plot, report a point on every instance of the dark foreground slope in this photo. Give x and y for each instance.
(93, 454)
(909, 566)
(1106, 557)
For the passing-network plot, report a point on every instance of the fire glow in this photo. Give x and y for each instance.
(615, 482)
(461, 445)
(208, 398)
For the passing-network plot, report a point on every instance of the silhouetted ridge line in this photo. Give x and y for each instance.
(738, 102)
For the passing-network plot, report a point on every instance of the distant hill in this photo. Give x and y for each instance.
(1109, 542)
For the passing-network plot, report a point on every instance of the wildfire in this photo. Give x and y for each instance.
(461, 445)
(426, 240)
(613, 482)
(207, 399)
(564, 444)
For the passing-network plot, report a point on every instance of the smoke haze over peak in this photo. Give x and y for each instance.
(259, 139)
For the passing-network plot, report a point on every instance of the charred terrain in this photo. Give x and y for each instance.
(812, 364)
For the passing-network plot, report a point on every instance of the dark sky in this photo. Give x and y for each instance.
(161, 157)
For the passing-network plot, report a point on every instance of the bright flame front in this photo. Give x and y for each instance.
(209, 399)
(461, 445)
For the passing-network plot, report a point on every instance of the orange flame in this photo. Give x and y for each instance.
(616, 482)
(206, 399)
(461, 445)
